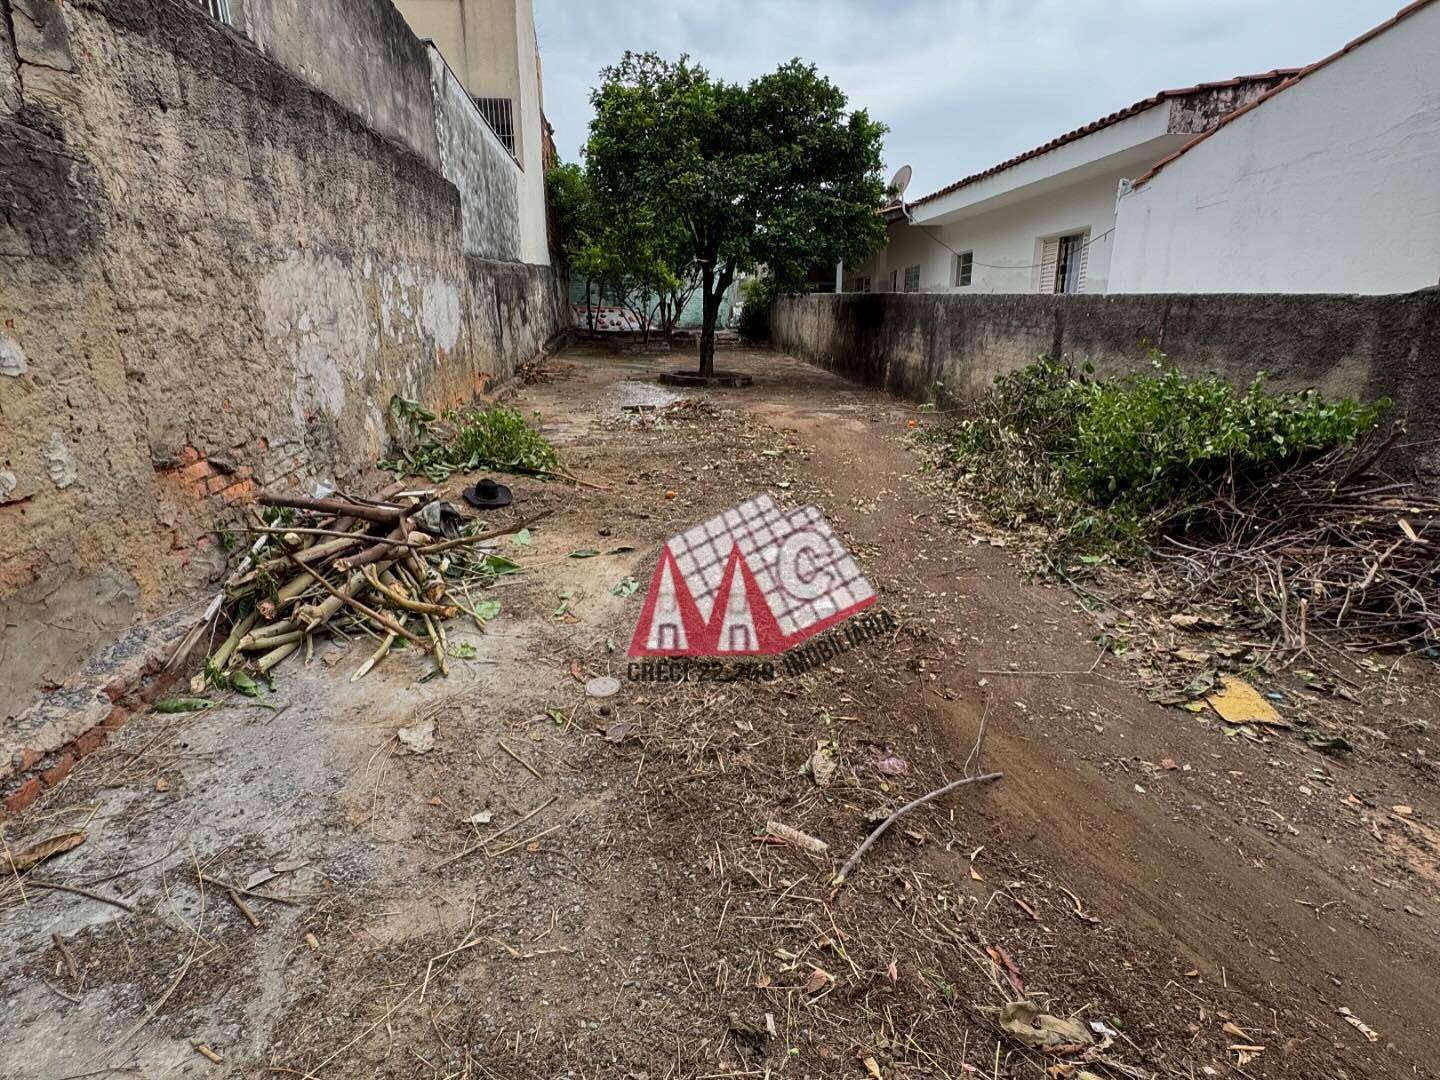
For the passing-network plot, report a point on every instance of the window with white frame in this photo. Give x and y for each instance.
(912, 279)
(1063, 261)
(964, 268)
(863, 284)
(894, 281)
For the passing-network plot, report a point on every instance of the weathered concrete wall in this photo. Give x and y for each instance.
(482, 170)
(1369, 346)
(359, 52)
(212, 276)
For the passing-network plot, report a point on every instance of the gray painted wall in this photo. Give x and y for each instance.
(1368, 346)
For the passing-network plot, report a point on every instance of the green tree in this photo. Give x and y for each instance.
(775, 173)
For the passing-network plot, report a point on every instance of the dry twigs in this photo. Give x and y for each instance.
(1333, 542)
(854, 860)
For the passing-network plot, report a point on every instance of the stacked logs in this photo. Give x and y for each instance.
(395, 566)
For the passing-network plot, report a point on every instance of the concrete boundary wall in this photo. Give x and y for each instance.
(213, 277)
(1367, 346)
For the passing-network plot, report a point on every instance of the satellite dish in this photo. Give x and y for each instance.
(900, 181)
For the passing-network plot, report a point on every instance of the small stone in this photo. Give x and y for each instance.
(602, 686)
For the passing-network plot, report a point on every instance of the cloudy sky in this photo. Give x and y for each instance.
(962, 84)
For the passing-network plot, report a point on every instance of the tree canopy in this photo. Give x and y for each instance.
(723, 177)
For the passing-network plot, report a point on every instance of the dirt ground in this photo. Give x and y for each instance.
(572, 887)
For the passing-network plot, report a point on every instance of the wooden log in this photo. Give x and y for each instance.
(339, 507)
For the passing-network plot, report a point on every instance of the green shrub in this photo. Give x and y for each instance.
(756, 295)
(1113, 461)
(462, 441)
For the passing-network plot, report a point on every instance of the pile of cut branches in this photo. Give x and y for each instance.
(1333, 542)
(395, 567)
(1278, 504)
(466, 440)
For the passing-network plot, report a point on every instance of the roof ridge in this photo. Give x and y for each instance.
(1115, 117)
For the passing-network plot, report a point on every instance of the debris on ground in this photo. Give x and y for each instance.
(1239, 703)
(340, 564)
(780, 831)
(1039, 1030)
(17, 862)
(418, 738)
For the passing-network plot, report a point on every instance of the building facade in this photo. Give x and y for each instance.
(490, 46)
(1043, 221)
(1328, 184)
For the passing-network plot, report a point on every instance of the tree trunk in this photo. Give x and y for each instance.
(709, 309)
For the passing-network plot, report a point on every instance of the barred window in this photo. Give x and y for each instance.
(498, 113)
(217, 9)
(912, 279)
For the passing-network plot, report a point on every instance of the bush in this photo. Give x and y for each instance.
(756, 296)
(1112, 462)
(461, 441)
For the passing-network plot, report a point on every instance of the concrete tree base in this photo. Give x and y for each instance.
(694, 378)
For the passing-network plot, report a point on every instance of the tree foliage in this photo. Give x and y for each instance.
(719, 178)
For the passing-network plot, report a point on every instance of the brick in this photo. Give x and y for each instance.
(242, 490)
(198, 470)
(61, 769)
(118, 715)
(91, 741)
(189, 455)
(24, 795)
(115, 689)
(217, 484)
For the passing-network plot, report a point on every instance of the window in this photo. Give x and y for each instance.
(217, 9)
(863, 284)
(964, 267)
(498, 113)
(893, 285)
(1062, 263)
(912, 279)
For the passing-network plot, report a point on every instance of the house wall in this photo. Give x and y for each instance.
(212, 276)
(1332, 185)
(477, 163)
(358, 51)
(1371, 347)
(491, 47)
(1006, 243)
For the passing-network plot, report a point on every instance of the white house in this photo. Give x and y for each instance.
(1044, 221)
(1329, 183)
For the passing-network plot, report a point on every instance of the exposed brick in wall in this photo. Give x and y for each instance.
(213, 277)
(1368, 346)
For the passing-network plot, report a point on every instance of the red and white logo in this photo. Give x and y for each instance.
(753, 580)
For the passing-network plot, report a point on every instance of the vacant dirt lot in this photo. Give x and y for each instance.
(565, 886)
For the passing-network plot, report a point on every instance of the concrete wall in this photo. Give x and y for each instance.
(359, 52)
(1371, 347)
(491, 47)
(212, 276)
(1332, 185)
(482, 170)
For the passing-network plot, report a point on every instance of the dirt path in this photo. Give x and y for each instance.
(1134, 866)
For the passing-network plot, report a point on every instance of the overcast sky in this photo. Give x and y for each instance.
(962, 84)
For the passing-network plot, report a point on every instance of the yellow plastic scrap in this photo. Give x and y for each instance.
(1238, 702)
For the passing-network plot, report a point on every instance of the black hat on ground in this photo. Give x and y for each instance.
(487, 495)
